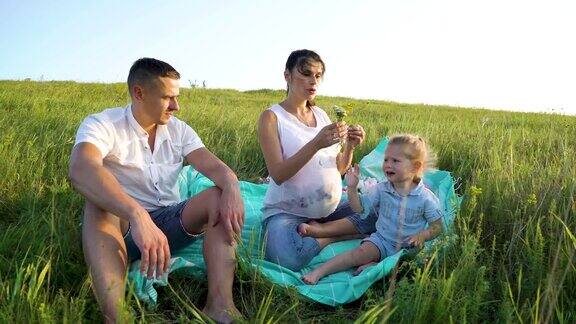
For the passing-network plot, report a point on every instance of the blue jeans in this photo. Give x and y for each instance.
(286, 247)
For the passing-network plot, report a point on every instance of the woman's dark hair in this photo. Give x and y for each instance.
(301, 59)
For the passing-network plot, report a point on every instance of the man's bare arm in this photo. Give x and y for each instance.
(100, 187)
(231, 211)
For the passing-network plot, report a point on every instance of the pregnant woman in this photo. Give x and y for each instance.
(305, 162)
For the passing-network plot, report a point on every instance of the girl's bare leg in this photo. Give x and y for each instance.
(367, 252)
(339, 227)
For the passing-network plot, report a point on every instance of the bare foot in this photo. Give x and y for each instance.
(223, 315)
(311, 278)
(308, 229)
(362, 267)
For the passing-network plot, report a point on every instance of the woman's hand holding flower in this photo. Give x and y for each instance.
(331, 134)
(356, 135)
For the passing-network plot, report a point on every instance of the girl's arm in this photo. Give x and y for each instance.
(354, 200)
(352, 181)
(433, 230)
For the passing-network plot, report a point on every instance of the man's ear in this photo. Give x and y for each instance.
(138, 92)
(287, 76)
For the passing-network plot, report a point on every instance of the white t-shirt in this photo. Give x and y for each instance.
(315, 190)
(148, 177)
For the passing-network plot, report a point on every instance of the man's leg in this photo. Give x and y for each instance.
(105, 254)
(218, 254)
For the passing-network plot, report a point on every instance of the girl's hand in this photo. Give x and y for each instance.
(331, 134)
(356, 135)
(417, 240)
(352, 176)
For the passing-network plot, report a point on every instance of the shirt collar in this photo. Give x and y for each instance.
(162, 133)
(134, 123)
(387, 186)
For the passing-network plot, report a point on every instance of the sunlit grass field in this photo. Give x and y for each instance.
(513, 259)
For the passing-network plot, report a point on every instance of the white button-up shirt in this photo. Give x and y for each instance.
(148, 177)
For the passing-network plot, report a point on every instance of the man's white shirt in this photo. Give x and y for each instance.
(151, 178)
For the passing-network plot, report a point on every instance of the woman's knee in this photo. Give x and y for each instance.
(285, 247)
(284, 255)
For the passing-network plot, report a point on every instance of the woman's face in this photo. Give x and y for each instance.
(303, 82)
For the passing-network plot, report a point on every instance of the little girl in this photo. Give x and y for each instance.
(403, 205)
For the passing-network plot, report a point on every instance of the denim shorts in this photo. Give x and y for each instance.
(169, 221)
(286, 247)
(385, 247)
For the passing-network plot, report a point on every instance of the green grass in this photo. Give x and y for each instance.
(513, 259)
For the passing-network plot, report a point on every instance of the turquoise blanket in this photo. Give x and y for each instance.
(335, 289)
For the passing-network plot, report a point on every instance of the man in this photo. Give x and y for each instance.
(126, 162)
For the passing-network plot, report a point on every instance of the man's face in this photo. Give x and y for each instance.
(160, 99)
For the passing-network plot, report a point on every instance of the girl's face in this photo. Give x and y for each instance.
(304, 84)
(397, 166)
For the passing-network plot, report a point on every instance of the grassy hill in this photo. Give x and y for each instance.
(513, 259)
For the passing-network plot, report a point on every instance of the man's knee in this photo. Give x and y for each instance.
(212, 197)
(209, 201)
(198, 210)
(102, 237)
(97, 218)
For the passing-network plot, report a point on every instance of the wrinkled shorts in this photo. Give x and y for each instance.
(169, 221)
(286, 247)
(385, 247)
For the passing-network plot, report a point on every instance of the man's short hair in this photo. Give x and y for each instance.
(147, 70)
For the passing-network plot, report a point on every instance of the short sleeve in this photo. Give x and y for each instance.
(432, 211)
(190, 140)
(93, 130)
(370, 202)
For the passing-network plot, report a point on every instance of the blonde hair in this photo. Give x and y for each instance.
(416, 150)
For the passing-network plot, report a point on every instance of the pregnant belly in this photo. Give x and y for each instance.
(316, 199)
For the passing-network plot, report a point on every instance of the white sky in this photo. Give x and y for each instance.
(508, 54)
